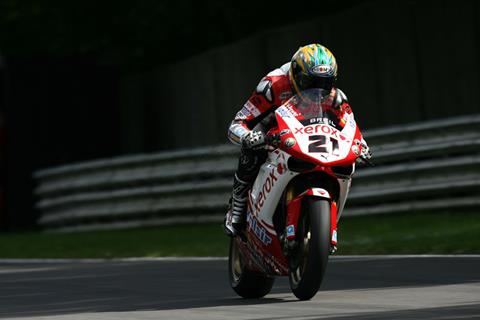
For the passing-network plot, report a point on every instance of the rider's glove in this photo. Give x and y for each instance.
(366, 152)
(253, 140)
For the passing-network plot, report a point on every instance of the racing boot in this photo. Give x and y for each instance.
(236, 216)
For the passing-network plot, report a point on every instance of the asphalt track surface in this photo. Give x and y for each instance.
(381, 287)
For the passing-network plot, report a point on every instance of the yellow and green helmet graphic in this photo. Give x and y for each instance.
(313, 66)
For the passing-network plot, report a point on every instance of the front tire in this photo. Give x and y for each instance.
(308, 261)
(245, 283)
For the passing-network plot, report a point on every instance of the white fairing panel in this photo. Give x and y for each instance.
(320, 140)
(344, 185)
(268, 187)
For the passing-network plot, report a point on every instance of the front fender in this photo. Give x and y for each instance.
(317, 192)
(294, 208)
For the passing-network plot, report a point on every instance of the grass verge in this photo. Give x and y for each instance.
(432, 233)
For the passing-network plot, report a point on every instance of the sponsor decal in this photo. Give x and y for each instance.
(317, 120)
(290, 230)
(245, 111)
(284, 113)
(319, 192)
(241, 115)
(266, 189)
(352, 123)
(258, 230)
(318, 128)
(252, 109)
(322, 69)
(284, 132)
(292, 110)
(334, 236)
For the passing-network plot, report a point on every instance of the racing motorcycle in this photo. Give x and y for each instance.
(297, 199)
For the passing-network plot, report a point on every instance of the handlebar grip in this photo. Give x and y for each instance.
(367, 161)
(272, 139)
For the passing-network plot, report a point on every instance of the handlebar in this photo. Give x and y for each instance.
(272, 139)
(366, 161)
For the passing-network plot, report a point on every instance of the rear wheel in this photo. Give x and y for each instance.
(308, 261)
(245, 283)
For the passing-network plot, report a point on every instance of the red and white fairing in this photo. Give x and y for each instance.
(320, 142)
(316, 140)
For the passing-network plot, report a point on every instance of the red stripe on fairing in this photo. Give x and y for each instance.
(270, 228)
(266, 224)
(333, 221)
(293, 212)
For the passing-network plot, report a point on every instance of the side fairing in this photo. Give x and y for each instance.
(344, 185)
(272, 179)
(263, 199)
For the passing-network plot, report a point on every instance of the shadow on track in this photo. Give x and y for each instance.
(135, 286)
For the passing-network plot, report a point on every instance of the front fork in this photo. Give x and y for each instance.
(293, 213)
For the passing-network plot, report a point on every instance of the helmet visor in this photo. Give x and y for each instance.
(309, 82)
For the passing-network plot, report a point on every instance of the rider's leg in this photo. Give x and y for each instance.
(248, 166)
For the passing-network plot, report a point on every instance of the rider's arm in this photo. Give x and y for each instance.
(241, 124)
(253, 111)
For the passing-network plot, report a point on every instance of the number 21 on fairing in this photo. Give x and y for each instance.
(321, 144)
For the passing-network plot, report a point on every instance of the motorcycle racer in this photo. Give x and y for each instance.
(312, 66)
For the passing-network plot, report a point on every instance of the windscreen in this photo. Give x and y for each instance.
(310, 108)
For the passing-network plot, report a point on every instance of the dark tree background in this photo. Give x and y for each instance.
(83, 80)
(61, 63)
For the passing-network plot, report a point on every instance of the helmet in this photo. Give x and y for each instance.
(313, 66)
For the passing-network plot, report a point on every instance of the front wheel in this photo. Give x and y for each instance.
(244, 282)
(308, 261)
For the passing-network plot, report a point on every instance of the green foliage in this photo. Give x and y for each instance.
(442, 233)
(438, 233)
(198, 240)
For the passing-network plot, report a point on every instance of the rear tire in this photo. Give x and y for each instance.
(308, 261)
(245, 283)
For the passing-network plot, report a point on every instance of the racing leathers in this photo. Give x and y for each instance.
(248, 128)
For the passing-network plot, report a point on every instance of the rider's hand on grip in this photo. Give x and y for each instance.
(254, 140)
(366, 152)
(365, 155)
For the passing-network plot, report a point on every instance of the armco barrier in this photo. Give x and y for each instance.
(423, 166)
